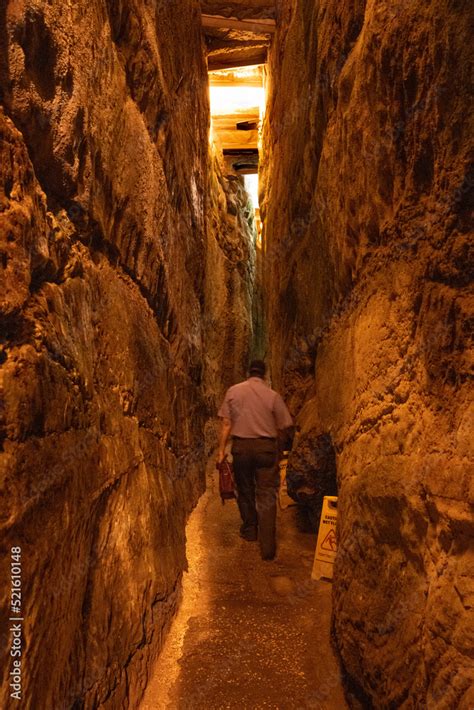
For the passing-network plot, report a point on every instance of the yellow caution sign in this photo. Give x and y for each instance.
(283, 498)
(326, 546)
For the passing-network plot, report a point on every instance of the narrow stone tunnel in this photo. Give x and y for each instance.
(138, 281)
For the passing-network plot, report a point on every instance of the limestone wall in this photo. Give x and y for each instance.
(110, 367)
(368, 196)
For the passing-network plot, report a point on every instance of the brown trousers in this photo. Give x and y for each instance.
(257, 479)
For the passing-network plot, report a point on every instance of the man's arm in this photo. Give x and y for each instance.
(284, 423)
(224, 436)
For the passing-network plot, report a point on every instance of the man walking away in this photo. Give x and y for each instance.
(255, 415)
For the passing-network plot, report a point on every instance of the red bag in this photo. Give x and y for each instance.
(226, 480)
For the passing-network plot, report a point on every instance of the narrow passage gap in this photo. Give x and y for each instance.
(248, 633)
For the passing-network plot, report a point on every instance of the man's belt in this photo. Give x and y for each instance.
(255, 438)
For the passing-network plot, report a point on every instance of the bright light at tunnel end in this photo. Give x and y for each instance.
(251, 185)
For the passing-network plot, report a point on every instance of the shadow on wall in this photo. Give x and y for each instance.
(4, 65)
(311, 475)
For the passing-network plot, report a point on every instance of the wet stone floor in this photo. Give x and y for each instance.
(249, 633)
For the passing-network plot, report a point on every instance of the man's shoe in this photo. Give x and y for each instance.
(268, 554)
(249, 535)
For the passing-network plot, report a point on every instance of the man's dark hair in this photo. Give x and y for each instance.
(257, 368)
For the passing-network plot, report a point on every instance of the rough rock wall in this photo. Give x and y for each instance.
(368, 263)
(107, 250)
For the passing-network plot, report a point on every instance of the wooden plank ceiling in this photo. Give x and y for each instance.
(236, 98)
(238, 32)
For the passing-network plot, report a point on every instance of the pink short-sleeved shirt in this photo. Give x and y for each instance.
(255, 410)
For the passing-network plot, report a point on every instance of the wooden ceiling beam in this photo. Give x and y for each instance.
(224, 80)
(231, 23)
(255, 60)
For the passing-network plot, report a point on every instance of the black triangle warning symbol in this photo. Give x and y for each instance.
(330, 542)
